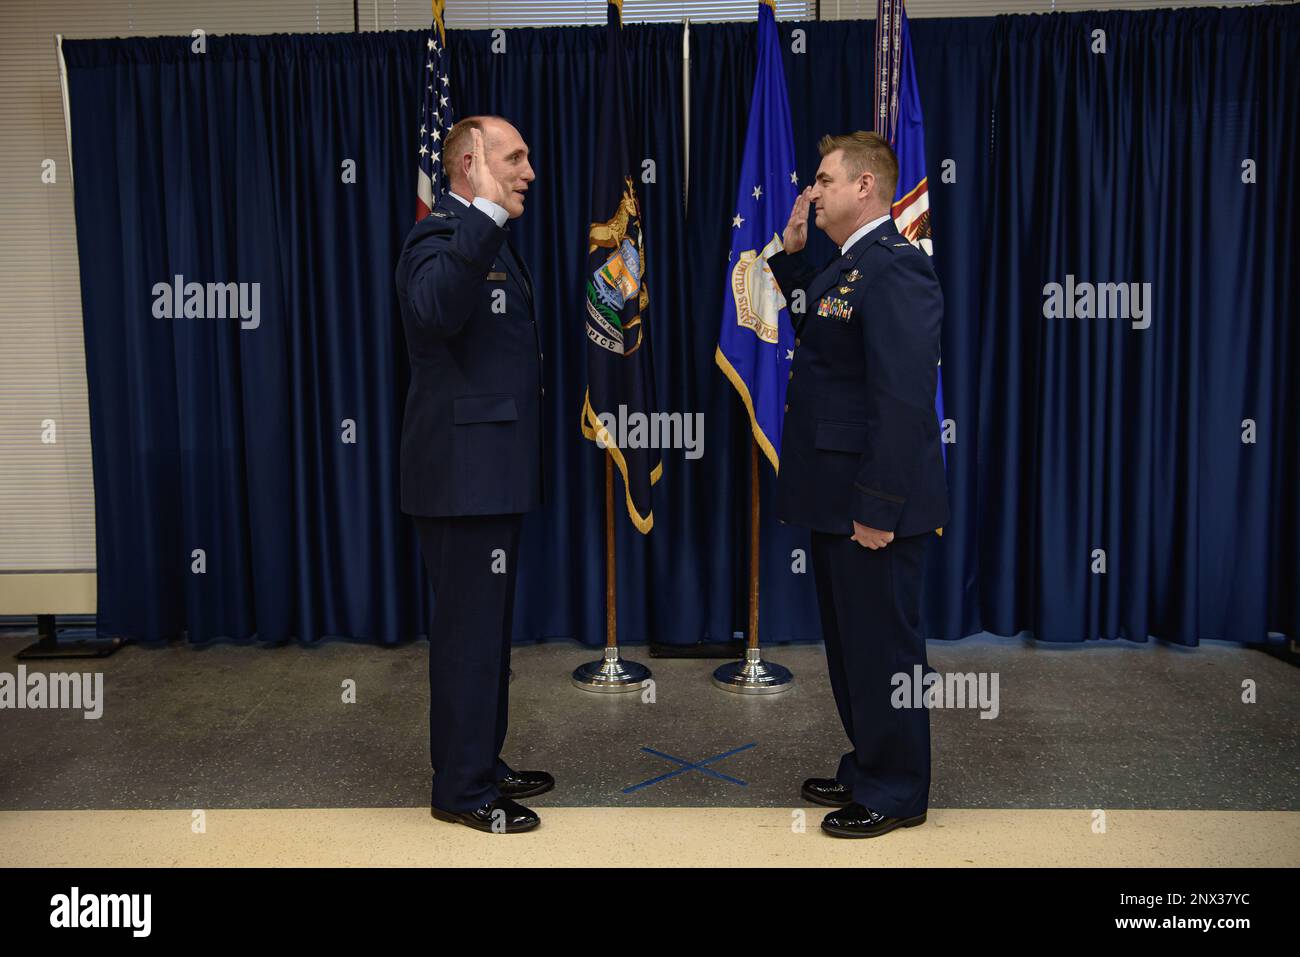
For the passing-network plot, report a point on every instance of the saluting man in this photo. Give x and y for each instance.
(471, 460)
(862, 467)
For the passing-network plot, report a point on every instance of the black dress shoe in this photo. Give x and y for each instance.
(827, 792)
(855, 820)
(522, 784)
(502, 816)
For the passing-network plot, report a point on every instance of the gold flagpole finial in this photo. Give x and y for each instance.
(438, 7)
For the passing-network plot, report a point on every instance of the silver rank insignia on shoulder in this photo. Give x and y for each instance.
(441, 214)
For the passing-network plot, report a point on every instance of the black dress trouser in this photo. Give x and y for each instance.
(870, 603)
(471, 565)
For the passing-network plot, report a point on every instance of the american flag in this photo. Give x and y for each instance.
(435, 116)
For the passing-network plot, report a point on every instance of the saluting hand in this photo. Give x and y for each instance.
(796, 230)
(481, 179)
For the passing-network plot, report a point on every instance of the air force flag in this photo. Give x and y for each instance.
(756, 342)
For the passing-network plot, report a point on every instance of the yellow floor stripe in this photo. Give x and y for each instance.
(646, 837)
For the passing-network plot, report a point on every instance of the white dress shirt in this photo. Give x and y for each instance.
(496, 211)
(862, 231)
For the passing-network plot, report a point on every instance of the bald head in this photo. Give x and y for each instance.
(504, 150)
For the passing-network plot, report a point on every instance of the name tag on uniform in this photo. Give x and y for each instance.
(496, 277)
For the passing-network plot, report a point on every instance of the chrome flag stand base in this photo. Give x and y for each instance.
(753, 675)
(611, 673)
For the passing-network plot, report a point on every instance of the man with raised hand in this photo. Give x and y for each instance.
(471, 460)
(862, 467)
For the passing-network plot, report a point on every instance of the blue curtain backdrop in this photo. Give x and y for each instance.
(1072, 434)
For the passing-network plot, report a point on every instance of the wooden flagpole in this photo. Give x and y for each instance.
(610, 673)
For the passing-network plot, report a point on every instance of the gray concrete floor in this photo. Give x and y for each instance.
(237, 726)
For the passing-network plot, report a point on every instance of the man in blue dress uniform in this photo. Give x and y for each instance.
(471, 460)
(862, 467)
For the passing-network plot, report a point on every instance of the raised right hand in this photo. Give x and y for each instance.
(481, 180)
(796, 230)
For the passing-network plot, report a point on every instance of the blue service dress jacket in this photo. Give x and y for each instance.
(472, 431)
(860, 439)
